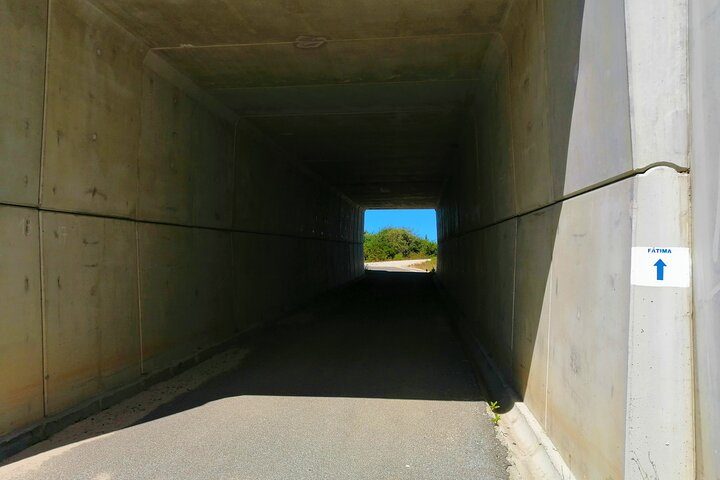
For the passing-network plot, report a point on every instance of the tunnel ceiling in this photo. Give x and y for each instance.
(368, 93)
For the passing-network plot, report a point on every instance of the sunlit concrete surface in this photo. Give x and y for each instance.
(369, 383)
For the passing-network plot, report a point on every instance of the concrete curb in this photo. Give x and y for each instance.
(531, 452)
(16, 442)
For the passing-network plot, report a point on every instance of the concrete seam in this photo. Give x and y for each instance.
(627, 79)
(631, 110)
(694, 406)
(327, 41)
(233, 206)
(546, 112)
(113, 19)
(611, 181)
(506, 14)
(547, 341)
(447, 109)
(510, 122)
(514, 294)
(138, 205)
(139, 300)
(548, 94)
(688, 91)
(172, 75)
(289, 160)
(234, 275)
(171, 224)
(312, 85)
(45, 101)
(43, 316)
(629, 343)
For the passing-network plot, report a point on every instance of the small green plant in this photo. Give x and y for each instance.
(494, 416)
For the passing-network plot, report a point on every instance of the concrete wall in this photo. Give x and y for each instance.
(554, 186)
(705, 91)
(145, 224)
(22, 75)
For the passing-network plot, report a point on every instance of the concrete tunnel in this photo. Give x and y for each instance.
(175, 174)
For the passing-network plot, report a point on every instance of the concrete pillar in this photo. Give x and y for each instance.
(705, 176)
(659, 422)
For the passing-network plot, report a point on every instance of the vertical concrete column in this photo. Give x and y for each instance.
(659, 439)
(659, 421)
(657, 43)
(705, 175)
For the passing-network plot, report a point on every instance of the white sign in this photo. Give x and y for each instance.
(660, 266)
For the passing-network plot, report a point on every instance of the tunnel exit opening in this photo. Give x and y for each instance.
(400, 240)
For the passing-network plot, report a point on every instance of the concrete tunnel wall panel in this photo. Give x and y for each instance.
(90, 306)
(531, 323)
(559, 322)
(588, 93)
(186, 160)
(527, 89)
(21, 366)
(22, 83)
(185, 292)
(496, 195)
(551, 112)
(589, 299)
(92, 118)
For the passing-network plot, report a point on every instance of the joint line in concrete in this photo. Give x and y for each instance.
(173, 224)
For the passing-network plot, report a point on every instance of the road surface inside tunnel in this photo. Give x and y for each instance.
(369, 382)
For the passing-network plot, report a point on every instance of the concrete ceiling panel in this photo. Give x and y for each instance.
(374, 107)
(454, 57)
(172, 23)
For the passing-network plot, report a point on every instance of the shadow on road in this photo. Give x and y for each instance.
(388, 336)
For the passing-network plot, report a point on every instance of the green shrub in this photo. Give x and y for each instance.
(397, 244)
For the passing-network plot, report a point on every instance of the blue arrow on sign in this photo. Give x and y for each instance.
(660, 265)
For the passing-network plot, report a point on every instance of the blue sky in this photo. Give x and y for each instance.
(422, 222)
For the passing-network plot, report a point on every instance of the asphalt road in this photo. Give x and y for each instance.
(370, 383)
